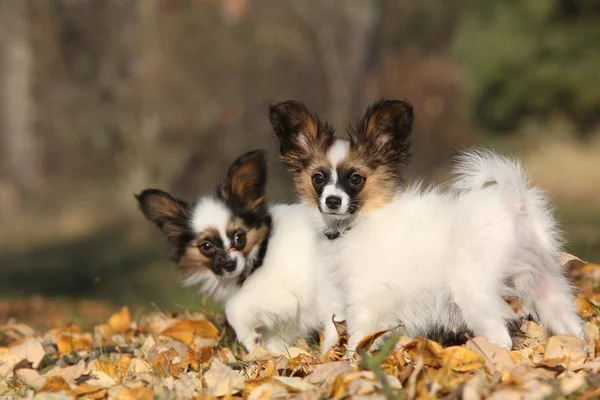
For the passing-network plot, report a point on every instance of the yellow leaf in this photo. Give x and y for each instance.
(142, 393)
(365, 343)
(163, 363)
(428, 349)
(115, 370)
(270, 369)
(90, 392)
(55, 384)
(566, 346)
(73, 342)
(185, 330)
(516, 356)
(461, 359)
(120, 322)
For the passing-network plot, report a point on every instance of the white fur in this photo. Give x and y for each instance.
(277, 302)
(279, 298)
(337, 153)
(445, 258)
(210, 212)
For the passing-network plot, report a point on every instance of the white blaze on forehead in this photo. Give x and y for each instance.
(211, 213)
(338, 152)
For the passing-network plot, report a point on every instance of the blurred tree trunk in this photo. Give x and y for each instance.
(142, 146)
(20, 156)
(343, 31)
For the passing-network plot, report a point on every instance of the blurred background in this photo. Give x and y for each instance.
(100, 99)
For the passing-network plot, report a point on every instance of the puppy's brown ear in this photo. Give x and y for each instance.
(300, 133)
(384, 132)
(245, 186)
(168, 213)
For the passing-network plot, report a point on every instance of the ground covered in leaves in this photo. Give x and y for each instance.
(191, 355)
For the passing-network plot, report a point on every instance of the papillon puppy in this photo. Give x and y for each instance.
(258, 260)
(424, 258)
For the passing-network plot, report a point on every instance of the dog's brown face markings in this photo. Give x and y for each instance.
(216, 249)
(369, 171)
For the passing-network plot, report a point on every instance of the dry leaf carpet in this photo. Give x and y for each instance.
(191, 356)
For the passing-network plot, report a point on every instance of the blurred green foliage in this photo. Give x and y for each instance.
(531, 59)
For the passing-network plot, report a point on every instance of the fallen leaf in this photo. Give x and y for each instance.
(259, 353)
(185, 330)
(326, 373)
(120, 322)
(90, 392)
(496, 358)
(294, 384)
(163, 363)
(138, 367)
(566, 346)
(566, 258)
(7, 363)
(365, 343)
(30, 350)
(55, 384)
(533, 330)
(293, 352)
(71, 373)
(142, 393)
(461, 359)
(338, 350)
(31, 378)
(591, 332)
(115, 370)
(53, 396)
(270, 369)
(188, 385)
(572, 383)
(428, 349)
(74, 342)
(267, 391)
(100, 379)
(221, 380)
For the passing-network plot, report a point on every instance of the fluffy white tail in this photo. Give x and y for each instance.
(539, 280)
(478, 169)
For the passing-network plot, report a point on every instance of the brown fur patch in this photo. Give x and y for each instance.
(303, 178)
(381, 184)
(243, 182)
(244, 187)
(254, 236)
(193, 261)
(301, 135)
(166, 212)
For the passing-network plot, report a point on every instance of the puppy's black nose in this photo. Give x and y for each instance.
(333, 202)
(229, 266)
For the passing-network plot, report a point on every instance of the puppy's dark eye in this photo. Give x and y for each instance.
(207, 248)
(356, 179)
(318, 179)
(239, 240)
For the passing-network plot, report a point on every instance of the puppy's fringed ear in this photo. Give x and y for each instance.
(385, 130)
(245, 185)
(166, 212)
(300, 133)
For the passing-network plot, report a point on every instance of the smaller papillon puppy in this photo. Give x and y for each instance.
(423, 258)
(258, 260)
